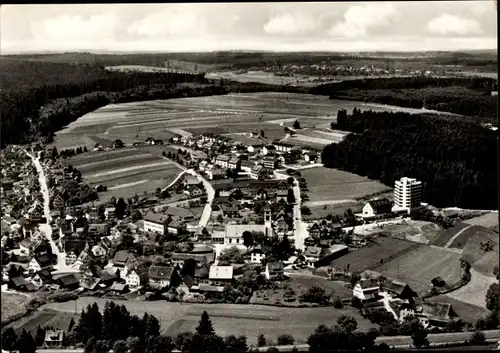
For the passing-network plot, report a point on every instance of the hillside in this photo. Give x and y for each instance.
(482, 261)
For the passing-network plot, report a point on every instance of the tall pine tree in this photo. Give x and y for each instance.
(205, 326)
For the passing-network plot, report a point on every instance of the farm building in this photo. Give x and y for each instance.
(53, 339)
(366, 290)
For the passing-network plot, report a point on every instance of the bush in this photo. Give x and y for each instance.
(62, 297)
(477, 338)
(285, 340)
(337, 303)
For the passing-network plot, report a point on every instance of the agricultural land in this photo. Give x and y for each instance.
(249, 320)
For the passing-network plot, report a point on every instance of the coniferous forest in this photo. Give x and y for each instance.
(39, 98)
(455, 158)
(469, 96)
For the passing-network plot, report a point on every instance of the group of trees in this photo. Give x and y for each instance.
(469, 96)
(69, 152)
(455, 159)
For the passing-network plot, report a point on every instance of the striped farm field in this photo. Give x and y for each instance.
(383, 250)
(248, 112)
(126, 171)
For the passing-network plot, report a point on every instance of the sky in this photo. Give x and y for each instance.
(332, 26)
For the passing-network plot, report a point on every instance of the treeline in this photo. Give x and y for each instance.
(414, 82)
(456, 160)
(43, 97)
(457, 95)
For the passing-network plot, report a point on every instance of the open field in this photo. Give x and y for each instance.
(269, 78)
(13, 304)
(232, 113)
(467, 312)
(489, 220)
(474, 292)
(332, 184)
(126, 171)
(419, 266)
(249, 320)
(443, 237)
(319, 212)
(482, 261)
(45, 318)
(369, 258)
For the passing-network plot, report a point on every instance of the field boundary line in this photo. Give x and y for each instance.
(452, 239)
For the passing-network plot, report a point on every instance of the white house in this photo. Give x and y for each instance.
(222, 161)
(234, 232)
(366, 289)
(274, 271)
(109, 212)
(136, 276)
(257, 255)
(220, 275)
(156, 222)
(376, 208)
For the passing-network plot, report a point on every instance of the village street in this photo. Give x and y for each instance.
(45, 228)
(207, 211)
(300, 227)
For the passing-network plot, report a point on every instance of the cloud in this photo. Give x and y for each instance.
(359, 19)
(77, 28)
(448, 24)
(172, 22)
(290, 23)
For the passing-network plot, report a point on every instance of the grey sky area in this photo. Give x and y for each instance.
(394, 26)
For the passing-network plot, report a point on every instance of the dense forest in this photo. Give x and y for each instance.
(456, 159)
(465, 96)
(38, 98)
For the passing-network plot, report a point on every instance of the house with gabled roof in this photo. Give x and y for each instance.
(220, 275)
(376, 209)
(258, 253)
(124, 261)
(161, 276)
(137, 276)
(53, 339)
(39, 263)
(274, 271)
(367, 290)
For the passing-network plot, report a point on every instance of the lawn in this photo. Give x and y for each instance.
(482, 261)
(369, 258)
(467, 312)
(13, 304)
(249, 320)
(320, 212)
(446, 234)
(332, 184)
(474, 231)
(419, 266)
(489, 220)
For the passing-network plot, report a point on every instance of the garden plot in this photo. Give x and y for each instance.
(332, 184)
(467, 312)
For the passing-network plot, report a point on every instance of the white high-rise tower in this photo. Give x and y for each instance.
(407, 194)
